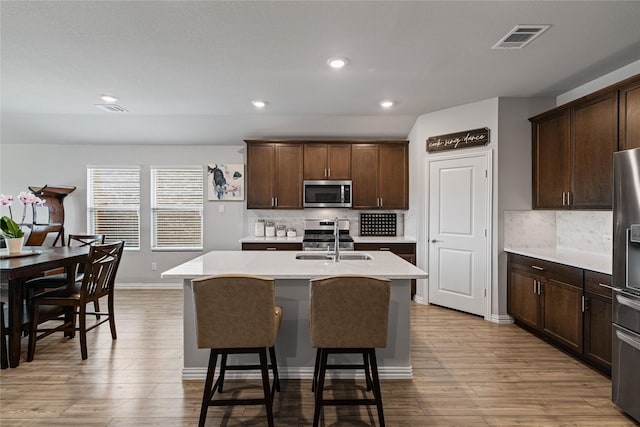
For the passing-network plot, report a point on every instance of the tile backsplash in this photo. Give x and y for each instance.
(588, 231)
(295, 218)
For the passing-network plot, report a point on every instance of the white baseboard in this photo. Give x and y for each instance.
(306, 373)
(501, 318)
(420, 300)
(132, 286)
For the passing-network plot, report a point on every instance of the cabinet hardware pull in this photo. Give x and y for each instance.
(276, 199)
(535, 267)
(272, 249)
(568, 198)
(539, 287)
(325, 172)
(436, 240)
(329, 173)
(563, 203)
(380, 201)
(272, 202)
(583, 305)
(535, 286)
(385, 249)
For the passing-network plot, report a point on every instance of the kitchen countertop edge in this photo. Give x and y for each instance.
(585, 260)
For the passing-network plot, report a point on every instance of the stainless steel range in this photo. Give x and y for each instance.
(318, 235)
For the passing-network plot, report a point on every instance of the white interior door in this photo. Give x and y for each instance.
(459, 212)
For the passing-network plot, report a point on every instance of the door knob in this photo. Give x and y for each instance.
(436, 241)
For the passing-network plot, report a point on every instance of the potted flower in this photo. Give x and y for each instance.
(11, 230)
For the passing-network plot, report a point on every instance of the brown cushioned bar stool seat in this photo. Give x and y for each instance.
(348, 314)
(236, 314)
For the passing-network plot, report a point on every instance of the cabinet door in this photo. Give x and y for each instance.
(595, 139)
(260, 176)
(288, 176)
(339, 161)
(597, 318)
(561, 306)
(522, 297)
(393, 177)
(364, 176)
(551, 161)
(315, 161)
(597, 329)
(629, 116)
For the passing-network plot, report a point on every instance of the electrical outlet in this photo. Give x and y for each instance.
(154, 266)
(221, 209)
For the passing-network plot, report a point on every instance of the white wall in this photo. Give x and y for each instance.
(614, 77)
(38, 165)
(507, 119)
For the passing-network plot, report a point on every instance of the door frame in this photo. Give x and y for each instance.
(488, 155)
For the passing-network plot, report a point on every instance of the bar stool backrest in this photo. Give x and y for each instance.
(349, 311)
(235, 311)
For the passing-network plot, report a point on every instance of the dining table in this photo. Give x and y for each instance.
(17, 269)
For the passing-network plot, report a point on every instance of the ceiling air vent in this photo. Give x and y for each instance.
(520, 36)
(111, 108)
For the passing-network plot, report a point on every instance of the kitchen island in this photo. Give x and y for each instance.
(293, 349)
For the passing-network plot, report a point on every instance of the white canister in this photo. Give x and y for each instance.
(269, 229)
(291, 232)
(259, 228)
(281, 230)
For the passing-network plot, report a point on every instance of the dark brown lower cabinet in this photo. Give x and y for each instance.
(268, 246)
(564, 305)
(597, 319)
(406, 251)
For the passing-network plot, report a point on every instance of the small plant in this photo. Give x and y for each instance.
(10, 228)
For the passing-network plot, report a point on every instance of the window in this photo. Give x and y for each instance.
(176, 208)
(113, 203)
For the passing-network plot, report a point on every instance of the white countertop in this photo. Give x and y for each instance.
(584, 260)
(284, 265)
(356, 239)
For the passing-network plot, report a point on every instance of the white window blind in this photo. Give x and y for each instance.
(176, 205)
(113, 203)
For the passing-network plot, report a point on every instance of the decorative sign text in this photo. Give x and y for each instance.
(453, 141)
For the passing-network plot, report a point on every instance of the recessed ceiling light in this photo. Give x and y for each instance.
(108, 98)
(387, 103)
(337, 63)
(258, 103)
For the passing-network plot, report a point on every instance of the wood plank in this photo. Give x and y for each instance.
(467, 372)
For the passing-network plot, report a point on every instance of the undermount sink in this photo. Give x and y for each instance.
(345, 257)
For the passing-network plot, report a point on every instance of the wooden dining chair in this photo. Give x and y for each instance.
(55, 280)
(98, 281)
(4, 355)
(348, 314)
(236, 314)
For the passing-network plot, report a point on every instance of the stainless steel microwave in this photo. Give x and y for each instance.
(327, 194)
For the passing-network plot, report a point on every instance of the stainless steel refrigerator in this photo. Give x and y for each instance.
(625, 370)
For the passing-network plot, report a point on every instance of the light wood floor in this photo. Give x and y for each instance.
(467, 372)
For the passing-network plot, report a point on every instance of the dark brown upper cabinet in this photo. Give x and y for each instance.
(629, 116)
(573, 150)
(274, 175)
(327, 161)
(380, 175)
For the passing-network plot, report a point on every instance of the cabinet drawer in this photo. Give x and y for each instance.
(271, 246)
(592, 281)
(548, 269)
(396, 248)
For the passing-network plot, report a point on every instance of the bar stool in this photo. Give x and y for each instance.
(348, 314)
(236, 314)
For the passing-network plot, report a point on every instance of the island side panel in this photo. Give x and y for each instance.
(293, 349)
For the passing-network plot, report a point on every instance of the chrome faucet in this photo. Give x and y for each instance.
(336, 241)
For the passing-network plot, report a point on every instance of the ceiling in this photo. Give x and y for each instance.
(187, 71)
